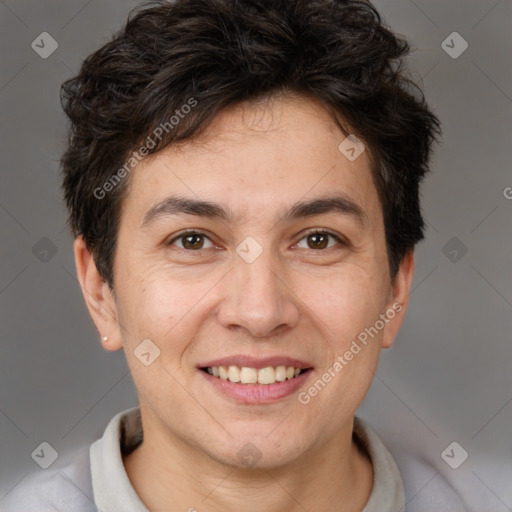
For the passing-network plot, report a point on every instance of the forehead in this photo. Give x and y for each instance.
(258, 157)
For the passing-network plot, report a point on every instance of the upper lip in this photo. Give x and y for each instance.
(256, 362)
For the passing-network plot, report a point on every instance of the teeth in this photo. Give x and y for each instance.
(281, 373)
(266, 375)
(246, 375)
(234, 373)
(223, 372)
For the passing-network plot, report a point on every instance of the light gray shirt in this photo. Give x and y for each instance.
(95, 480)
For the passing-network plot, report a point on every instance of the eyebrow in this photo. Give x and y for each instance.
(177, 205)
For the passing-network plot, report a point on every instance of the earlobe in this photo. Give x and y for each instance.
(399, 299)
(98, 297)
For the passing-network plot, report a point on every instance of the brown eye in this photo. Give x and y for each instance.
(319, 240)
(191, 241)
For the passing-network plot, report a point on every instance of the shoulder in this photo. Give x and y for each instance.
(426, 488)
(63, 488)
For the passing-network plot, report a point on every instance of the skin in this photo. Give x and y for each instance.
(295, 299)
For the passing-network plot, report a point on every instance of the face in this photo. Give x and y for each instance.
(273, 257)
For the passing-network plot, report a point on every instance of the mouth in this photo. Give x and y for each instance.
(249, 375)
(249, 380)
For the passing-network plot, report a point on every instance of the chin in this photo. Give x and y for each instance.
(259, 452)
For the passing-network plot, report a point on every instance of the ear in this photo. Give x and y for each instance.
(398, 299)
(98, 297)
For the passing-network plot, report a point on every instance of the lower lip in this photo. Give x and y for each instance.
(257, 393)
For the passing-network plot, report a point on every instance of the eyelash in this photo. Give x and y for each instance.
(312, 232)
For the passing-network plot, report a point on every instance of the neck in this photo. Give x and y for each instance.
(334, 476)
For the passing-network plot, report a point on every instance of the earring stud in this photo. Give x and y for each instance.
(105, 338)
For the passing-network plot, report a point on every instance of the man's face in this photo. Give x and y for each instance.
(259, 283)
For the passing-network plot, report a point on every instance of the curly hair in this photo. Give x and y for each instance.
(220, 53)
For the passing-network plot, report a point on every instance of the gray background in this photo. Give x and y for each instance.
(448, 377)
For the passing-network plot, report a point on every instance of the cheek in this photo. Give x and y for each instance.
(346, 303)
(346, 309)
(164, 311)
(160, 308)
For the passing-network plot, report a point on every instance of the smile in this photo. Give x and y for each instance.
(249, 375)
(255, 380)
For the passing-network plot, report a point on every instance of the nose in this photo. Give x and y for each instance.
(257, 299)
